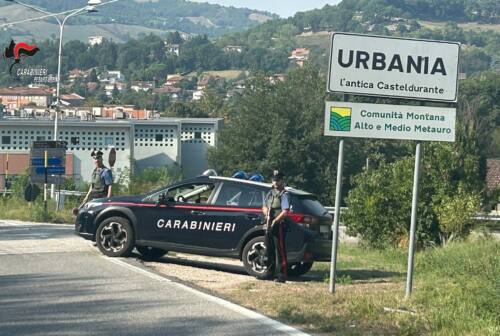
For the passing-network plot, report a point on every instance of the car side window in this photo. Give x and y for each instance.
(240, 195)
(191, 193)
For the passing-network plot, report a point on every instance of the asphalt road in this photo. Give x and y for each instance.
(55, 283)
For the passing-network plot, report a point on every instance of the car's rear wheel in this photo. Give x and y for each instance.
(255, 258)
(115, 237)
(151, 253)
(298, 269)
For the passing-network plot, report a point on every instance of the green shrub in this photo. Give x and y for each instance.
(379, 205)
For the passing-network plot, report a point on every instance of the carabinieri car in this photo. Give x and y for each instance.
(207, 215)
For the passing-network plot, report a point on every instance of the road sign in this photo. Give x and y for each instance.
(112, 157)
(50, 170)
(55, 151)
(46, 144)
(360, 120)
(394, 67)
(52, 161)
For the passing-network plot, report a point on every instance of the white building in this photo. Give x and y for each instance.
(95, 40)
(138, 143)
(172, 49)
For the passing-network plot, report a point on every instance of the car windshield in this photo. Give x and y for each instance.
(154, 194)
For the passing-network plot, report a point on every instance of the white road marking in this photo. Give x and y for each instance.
(136, 269)
(232, 306)
(75, 244)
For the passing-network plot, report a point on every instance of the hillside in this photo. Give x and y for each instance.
(476, 26)
(136, 16)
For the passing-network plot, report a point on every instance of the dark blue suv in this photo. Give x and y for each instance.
(207, 215)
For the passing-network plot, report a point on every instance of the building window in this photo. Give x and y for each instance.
(75, 141)
(109, 141)
(159, 137)
(6, 140)
(197, 135)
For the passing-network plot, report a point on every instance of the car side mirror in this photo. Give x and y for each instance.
(164, 200)
(161, 200)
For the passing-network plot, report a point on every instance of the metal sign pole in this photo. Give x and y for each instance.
(45, 183)
(335, 228)
(414, 204)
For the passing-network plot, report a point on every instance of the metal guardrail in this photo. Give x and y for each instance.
(331, 210)
(495, 218)
(72, 193)
(62, 192)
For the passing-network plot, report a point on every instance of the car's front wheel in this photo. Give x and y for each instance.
(115, 237)
(151, 253)
(298, 269)
(255, 258)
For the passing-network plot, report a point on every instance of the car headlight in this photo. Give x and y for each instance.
(91, 205)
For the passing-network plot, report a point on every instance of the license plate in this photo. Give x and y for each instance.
(324, 229)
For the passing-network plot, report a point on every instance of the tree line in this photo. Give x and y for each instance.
(280, 126)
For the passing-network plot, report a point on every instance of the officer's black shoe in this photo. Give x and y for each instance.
(280, 279)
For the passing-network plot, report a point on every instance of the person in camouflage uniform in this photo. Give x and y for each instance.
(276, 207)
(102, 180)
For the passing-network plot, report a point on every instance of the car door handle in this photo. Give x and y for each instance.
(252, 217)
(194, 212)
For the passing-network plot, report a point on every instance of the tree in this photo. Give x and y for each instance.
(174, 38)
(280, 126)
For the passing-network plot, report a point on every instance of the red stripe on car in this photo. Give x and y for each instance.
(194, 207)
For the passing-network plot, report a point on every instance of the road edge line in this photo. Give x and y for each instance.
(225, 303)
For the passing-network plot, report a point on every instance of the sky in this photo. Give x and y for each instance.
(284, 8)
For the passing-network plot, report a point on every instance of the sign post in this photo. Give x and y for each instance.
(47, 164)
(391, 67)
(336, 218)
(413, 225)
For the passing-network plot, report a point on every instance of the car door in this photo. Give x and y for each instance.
(238, 206)
(176, 221)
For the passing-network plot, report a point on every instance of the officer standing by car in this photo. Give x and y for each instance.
(276, 207)
(101, 181)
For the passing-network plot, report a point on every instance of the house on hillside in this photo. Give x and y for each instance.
(276, 78)
(142, 86)
(72, 99)
(493, 178)
(95, 40)
(109, 88)
(77, 74)
(18, 97)
(172, 49)
(173, 80)
(238, 49)
(299, 56)
(172, 91)
(111, 77)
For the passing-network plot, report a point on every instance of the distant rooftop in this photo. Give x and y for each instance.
(25, 91)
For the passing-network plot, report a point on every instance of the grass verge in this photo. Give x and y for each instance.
(456, 292)
(13, 207)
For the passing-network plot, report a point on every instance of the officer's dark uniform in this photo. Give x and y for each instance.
(101, 180)
(276, 201)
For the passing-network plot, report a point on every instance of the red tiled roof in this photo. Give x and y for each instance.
(24, 91)
(493, 173)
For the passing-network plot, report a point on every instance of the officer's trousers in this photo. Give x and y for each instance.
(276, 250)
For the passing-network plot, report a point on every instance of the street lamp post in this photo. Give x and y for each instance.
(90, 8)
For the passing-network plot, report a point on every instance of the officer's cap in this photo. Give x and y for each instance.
(96, 155)
(277, 175)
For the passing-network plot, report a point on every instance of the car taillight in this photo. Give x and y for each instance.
(308, 221)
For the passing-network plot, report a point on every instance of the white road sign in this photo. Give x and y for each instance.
(393, 67)
(360, 120)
